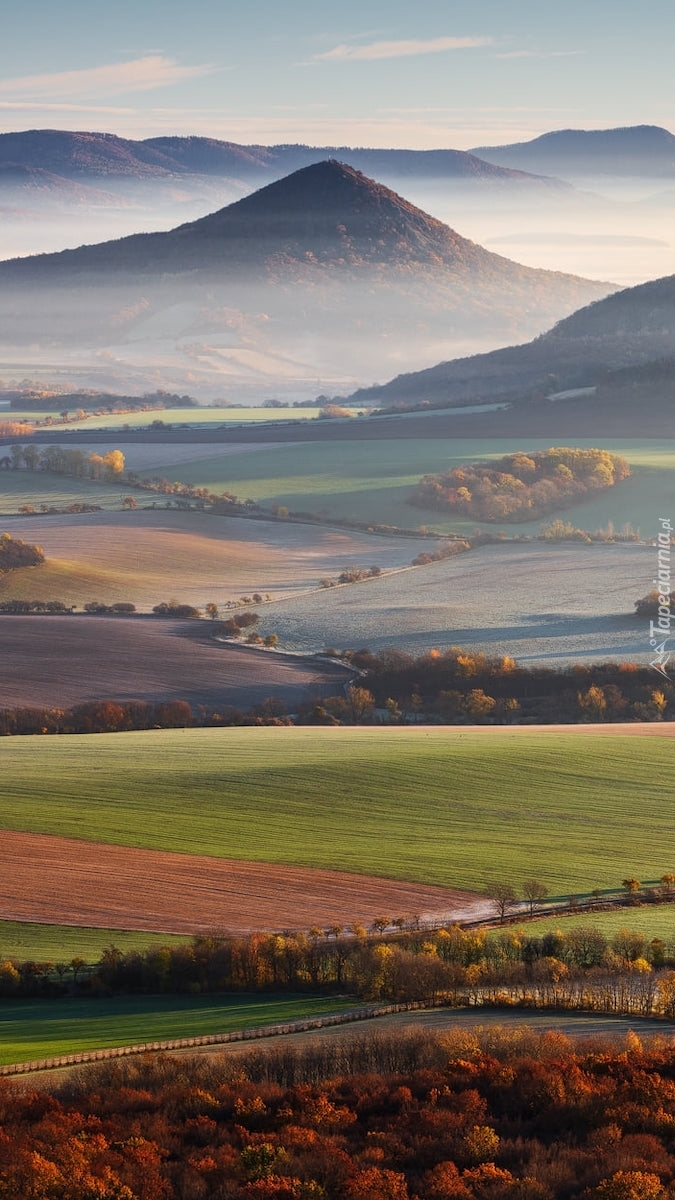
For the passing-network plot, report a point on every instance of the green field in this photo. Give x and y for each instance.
(56, 943)
(371, 480)
(32, 1029)
(652, 920)
(171, 416)
(452, 806)
(37, 487)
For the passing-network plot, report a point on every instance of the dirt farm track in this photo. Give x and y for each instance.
(62, 661)
(73, 882)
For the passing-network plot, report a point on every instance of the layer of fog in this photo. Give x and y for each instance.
(621, 230)
(246, 344)
(233, 347)
(618, 229)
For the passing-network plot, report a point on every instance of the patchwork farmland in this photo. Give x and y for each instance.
(451, 807)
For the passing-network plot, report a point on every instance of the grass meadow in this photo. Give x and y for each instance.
(449, 806)
(24, 940)
(371, 480)
(32, 1029)
(651, 920)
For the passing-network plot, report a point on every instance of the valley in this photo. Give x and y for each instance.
(174, 835)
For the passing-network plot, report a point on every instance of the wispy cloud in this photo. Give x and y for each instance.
(540, 54)
(115, 79)
(401, 49)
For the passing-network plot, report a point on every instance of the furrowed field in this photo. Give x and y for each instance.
(455, 807)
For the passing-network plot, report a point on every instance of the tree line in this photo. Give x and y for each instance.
(394, 959)
(123, 716)
(60, 461)
(458, 686)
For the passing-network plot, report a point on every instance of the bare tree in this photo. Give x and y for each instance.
(503, 898)
(534, 892)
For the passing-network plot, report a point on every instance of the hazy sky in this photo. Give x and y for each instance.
(362, 72)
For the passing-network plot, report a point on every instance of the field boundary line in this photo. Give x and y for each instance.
(253, 1033)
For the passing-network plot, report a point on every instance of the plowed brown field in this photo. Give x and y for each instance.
(68, 882)
(63, 661)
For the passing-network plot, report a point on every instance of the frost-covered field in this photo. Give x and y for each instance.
(533, 602)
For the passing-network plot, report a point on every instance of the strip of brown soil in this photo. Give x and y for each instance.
(68, 660)
(63, 881)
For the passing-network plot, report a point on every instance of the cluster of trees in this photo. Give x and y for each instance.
(174, 608)
(519, 487)
(460, 686)
(116, 716)
(15, 553)
(98, 608)
(60, 461)
(446, 550)
(330, 411)
(236, 626)
(351, 575)
(564, 531)
(473, 1116)
(13, 429)
(77, 506)
(23, 608)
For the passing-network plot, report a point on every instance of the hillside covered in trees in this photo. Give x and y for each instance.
(520, 487)
(467, 1117)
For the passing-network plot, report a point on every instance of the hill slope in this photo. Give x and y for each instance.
(324, 271)
(634, 327)
(327, 213)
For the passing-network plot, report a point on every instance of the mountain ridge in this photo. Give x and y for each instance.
(626, 150)
(75, 153)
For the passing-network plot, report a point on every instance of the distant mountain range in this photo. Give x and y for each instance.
(87, 157)
(639, 150)
(631, 331)
(325, 269)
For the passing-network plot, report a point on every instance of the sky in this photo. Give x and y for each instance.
(362, 72)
